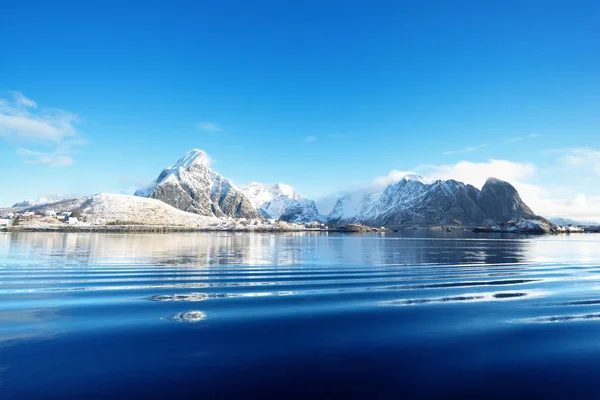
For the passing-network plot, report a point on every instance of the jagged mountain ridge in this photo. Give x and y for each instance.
(191, 185)
(412, 201)
(281, 202)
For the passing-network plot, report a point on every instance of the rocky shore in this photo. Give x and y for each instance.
(535, 227)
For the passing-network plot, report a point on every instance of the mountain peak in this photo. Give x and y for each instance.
(190, 185)
(283, 189)
(414, 177)
(492, 180)
(193, 157)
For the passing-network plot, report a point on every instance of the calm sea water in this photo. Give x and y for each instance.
(413, 315)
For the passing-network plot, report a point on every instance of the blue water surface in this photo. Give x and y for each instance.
(232, 315)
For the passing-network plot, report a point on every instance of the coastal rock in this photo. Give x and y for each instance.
(527, 226)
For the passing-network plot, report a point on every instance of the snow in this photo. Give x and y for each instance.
(38, 202)
(279, 200)
(361, 206)
(191, 174)
(525, 226)
(108, 207)
(414, 177)
(195, 156)
(175, 172)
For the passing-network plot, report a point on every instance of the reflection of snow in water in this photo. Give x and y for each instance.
(189, 316)
(562, 318)
(204, 296)
(467, 297)
(181, 297)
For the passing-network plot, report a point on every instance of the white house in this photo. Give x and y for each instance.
(71, 220)
(5, 222)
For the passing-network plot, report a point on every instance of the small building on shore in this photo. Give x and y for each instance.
(71, 220)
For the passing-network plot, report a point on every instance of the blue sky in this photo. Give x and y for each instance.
(322, 95)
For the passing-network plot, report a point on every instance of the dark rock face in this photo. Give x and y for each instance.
(190, 185)
(501, 202)
(443, 202)
(300, 211)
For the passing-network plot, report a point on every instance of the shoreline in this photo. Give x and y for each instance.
(163, 229)
(191, 229)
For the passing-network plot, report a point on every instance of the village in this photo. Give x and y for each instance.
(71, 220)
(32, 218)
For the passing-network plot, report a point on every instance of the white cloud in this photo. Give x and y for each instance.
(46, 159)
(581, 157)
(392, 177)
(22, 121)
(578, 207)
(310, 139)
(464, 150)
(477, 173)
(209, 126)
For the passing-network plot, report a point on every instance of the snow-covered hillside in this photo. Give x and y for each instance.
(106, 208)
(190, 185)
(281, 202)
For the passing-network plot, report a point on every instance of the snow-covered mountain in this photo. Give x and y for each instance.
(281, 202)
(40, 201)
(26, 203)
(191, 185)
(571, 222)
(412, 201)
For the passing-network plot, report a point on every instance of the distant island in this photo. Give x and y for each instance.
(190, 196)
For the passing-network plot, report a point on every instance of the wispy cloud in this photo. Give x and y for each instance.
(22, 121)
(24, 101)
(519, 138)
(208, 126)
(579, 157)
(464, 150)
(46, 159)
(310, 139)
